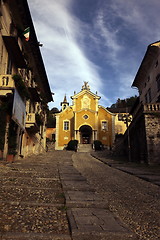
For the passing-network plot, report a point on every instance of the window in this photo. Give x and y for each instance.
(66, 125)
(156, 64)
(149, 95)
(146, 99)
(104, 125)
(158, 82)
(9, 66)
(85, 116)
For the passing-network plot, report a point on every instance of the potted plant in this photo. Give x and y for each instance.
(97, 145)
(11, 154)
(20, 85)
(72, 145)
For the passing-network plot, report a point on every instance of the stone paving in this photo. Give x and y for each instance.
(135, 202)
(88, 213)
(143, 171)
(62, 195)
(32, 199)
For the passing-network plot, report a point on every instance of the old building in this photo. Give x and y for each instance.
(144, 131)
(24, 87)
(84, 121)
(122, 119)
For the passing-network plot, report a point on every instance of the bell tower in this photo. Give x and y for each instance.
(64, 104)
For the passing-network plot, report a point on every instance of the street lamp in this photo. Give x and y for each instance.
(126, 118)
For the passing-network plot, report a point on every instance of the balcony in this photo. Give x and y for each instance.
(6, 84)
(152, 107)
(31, 122)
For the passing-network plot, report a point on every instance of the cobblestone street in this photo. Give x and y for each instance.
(62, 195)
(32, 199)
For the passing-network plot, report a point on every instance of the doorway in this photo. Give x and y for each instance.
(85, 134)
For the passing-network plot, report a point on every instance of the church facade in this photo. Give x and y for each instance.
(85, 120)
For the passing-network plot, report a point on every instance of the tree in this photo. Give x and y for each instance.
(51, 119)
(54, 110)
(123, 103)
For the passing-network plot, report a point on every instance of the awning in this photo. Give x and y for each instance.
(14, 51)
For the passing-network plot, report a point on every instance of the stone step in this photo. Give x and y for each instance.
(84, 147)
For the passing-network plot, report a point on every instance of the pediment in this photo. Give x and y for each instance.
(85, 92)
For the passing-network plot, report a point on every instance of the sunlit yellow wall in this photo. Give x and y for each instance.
(120, 126)
(64, 136)
(49, 132)
(89, 121)
(91, 102)
(105, 136)
(75, 114)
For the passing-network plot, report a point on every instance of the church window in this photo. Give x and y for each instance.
(85, 116)
(66, 125)
(104, 125)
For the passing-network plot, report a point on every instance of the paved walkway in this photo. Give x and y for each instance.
(62, 195)
(87, 210)
(143, 171)
(32, 202)
(135, 202)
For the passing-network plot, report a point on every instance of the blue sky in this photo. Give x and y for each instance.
(99, 41)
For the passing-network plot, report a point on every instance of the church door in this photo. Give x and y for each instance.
(85, 134)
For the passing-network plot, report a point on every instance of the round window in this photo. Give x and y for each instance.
(85, 116)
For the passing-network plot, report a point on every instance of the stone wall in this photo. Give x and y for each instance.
(152, 125)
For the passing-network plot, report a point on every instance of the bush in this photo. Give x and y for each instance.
(72, 145)
(21, 87)
(98, 145)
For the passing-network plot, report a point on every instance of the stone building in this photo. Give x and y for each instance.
(144, 131)
(24, 87)
(84, 121)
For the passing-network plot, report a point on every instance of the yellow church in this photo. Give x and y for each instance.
(85, 120)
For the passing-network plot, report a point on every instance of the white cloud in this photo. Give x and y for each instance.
(109, 37)
(115, 39)
(66, 63)
(142, 17)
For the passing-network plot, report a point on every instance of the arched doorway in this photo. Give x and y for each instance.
(85, 134)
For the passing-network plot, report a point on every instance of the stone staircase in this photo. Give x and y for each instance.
(84, 148)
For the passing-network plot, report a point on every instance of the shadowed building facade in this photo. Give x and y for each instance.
(84, 121)
(24, 86)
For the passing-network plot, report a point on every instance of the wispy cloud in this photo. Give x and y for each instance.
(139, 16)
(105, 50)
(66, 63)
(108, 37)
